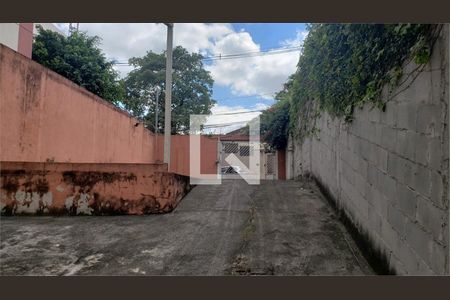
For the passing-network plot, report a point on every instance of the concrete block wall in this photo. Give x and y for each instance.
(388, 171)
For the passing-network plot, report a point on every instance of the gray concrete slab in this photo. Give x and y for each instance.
(276, 228)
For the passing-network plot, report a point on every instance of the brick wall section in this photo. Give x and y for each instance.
(388, 171)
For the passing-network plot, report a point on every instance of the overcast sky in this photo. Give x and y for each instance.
(241, 84)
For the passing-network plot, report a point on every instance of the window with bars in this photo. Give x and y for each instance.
(270, 164)
(231, 147)
(244, 150)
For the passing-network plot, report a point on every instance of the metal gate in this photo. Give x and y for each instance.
(242, 150)
(270, 165)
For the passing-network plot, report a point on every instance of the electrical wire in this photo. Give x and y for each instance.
(224, 124)
(252, 54)
(236, 113)
(249, 96)
(238, 55)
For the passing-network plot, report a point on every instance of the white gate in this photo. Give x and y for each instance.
(241, 149)
(270, 165)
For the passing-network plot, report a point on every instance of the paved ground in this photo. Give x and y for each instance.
(278, 227)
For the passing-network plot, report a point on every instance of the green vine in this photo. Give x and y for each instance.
(343, 66)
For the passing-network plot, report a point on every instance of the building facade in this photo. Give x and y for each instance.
(19, 36)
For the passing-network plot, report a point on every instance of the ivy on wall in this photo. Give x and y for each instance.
(343, 66)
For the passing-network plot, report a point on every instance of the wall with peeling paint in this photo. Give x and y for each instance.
(89, 189)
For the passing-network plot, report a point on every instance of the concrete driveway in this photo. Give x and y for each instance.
(276, 228)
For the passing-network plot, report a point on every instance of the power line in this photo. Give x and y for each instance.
(272, 50)
(262, 50)
(249, 96)
(239, 55)
(236, 113)
(224, 124)
(267, 49)
(255, 54)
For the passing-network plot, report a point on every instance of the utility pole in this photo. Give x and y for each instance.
(168, 106)
(156, 109)
(73, 27)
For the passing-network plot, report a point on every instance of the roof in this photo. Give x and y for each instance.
(234, 137)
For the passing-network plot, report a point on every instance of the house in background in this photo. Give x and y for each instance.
(19, 36)
(272, 162)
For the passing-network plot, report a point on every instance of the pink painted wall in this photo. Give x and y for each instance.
(45, 117)
(25, 44)
(179, 156)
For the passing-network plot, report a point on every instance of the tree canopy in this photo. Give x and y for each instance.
(191, 91)
(79, 59)
(275, 120)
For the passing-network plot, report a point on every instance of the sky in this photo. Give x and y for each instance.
(240, 84)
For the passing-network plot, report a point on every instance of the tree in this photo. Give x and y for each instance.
(191, 91)
(275, 120)
(78, 58)
(275, 123)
